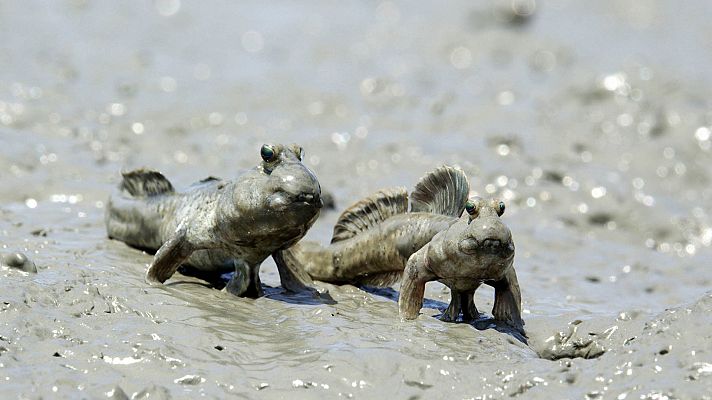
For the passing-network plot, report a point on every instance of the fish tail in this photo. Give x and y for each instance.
(308, 260)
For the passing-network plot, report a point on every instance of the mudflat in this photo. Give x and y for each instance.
(591, 120)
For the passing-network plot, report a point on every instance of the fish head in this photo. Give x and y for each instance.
(293, 194)
(485, 234)
(478, 247)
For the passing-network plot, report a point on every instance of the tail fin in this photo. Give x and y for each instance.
(384, 279)
(145, 182)
(308, 260)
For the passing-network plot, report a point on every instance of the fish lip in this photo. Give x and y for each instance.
(497, 246)
(282, 199)
(491, 242)
(493, 246)
(310, 199)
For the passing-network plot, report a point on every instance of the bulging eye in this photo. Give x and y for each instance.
(267, 153)
(500, 208)
(300, 153)
(471, 207)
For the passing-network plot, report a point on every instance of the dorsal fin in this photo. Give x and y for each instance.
(370, 211)
(145, 182)
(442, 191)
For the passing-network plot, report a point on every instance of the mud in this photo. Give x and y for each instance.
(591, 121)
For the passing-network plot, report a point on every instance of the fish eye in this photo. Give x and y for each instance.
(267, 153)
(500, 208)
(471, 207)
(300, 153)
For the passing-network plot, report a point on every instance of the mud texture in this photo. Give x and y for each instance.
(591, 120)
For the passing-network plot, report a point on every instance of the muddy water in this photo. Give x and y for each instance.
(592, 122)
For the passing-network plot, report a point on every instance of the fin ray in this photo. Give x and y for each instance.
(145, 182)
(442, 191)
(370, 211)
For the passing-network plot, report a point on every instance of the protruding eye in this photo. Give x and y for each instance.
(471, 207)
(300, 153)
(267, 153)
(500, 208)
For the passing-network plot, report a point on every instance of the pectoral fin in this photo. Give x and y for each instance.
(415, 276)
(293, 278)
(169, 257)
(460, 302)
(246, 281)
(508, 301)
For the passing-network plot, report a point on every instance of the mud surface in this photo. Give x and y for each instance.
(590, 119)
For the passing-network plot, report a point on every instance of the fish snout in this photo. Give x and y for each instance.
(495, 246)
(298, 183)
(492, 243)
(498, 246)
(487, 235)
(313, 199)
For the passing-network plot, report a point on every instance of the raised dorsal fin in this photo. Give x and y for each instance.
(370, 211)
(145, 182)
(442, 191)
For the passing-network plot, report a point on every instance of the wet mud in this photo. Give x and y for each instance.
(591, 121)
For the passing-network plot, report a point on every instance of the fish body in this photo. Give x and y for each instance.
(379, 241)
(219, 225)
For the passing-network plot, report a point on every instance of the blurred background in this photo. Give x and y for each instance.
(592, 120)
(605, 98)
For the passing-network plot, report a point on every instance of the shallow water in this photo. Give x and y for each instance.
(591, 121)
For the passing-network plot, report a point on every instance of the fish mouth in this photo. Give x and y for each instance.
(492, 246)
(310, 199)
(496, 246)
(282, 200)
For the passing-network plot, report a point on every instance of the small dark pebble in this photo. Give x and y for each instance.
(570, 379)
(664, 351)
(39, 232)
(515, 13)
(19, 261)
(553, 176)
(219, 348)
(600, 218)
(56, 354)
(593, 279)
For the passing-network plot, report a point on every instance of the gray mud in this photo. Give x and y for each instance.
(590, 119)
